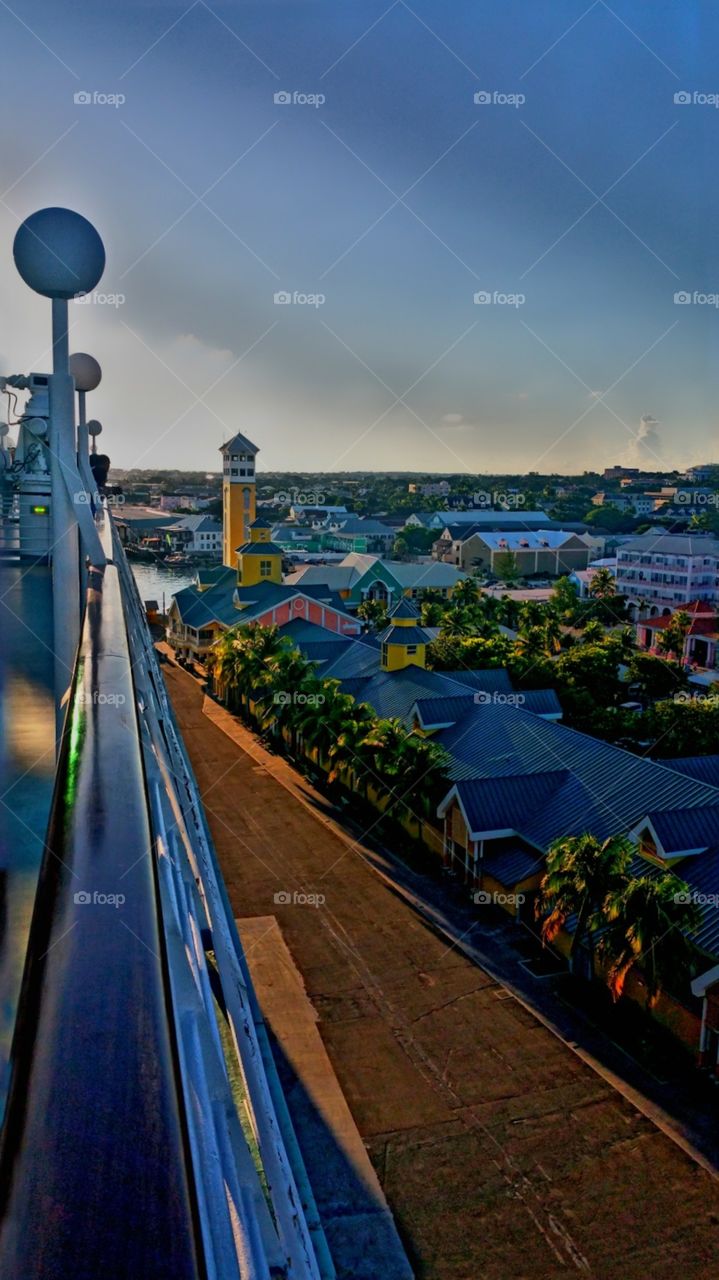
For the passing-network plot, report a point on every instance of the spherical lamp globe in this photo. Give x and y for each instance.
(85, 370)
(59, 253)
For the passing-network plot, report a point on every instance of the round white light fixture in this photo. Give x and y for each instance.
(59, 253)
(85, 370)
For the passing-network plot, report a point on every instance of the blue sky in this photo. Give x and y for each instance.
(396, 200)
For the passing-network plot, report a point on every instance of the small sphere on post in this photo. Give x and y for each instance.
(59, 253)
(94, 427)
(85, 370)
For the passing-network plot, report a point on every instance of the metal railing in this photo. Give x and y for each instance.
(146, 1134)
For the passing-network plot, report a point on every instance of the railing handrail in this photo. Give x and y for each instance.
(95, 1177)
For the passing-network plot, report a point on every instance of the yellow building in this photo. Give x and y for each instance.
(404, 644)
(259, 559)
(238, 494)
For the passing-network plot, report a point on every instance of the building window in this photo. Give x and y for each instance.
(385, 653)
(265, 568)
(411, 649)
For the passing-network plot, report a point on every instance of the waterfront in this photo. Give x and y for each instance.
(159, 582)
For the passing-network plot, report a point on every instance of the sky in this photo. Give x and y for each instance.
(575, 199)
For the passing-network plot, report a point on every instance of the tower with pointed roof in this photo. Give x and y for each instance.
(259, 559)
(404, 642)
(238, 494)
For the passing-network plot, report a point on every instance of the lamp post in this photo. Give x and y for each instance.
(59, 254)
(87, 376)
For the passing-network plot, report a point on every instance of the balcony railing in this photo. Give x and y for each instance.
(125, 1152)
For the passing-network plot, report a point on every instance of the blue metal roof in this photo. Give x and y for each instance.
(499, 804)
(510, 862)
(680, 830)
(702, 768)
(491, 679)
(608, 790)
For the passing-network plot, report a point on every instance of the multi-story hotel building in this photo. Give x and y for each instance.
(661, 572)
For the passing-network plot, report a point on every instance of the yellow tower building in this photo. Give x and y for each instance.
(404, 643)
(260, 559)
(238, 494)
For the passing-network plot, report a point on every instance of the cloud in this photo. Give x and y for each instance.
(645, 449)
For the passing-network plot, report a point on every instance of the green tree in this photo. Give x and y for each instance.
(656, 677)
(374, 613)
(603, 584)
(506, 567)
(565, 600)
(671, 639)
(581, 873)
(684, 727)
(649, 920)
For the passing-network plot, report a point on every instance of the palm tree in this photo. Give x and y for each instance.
(603, 584)
(649, 920)
(552, 633)
(531, 614)
(465, 593)
(458, 622)
(411, 768)
(671, 640)
(431, 613)
(323, 716)
(594, 632)
(349, 753)
(532, 644)
(242, 660)
(580, 874)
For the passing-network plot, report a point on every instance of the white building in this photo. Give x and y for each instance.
(195, 535)
(659, 572)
